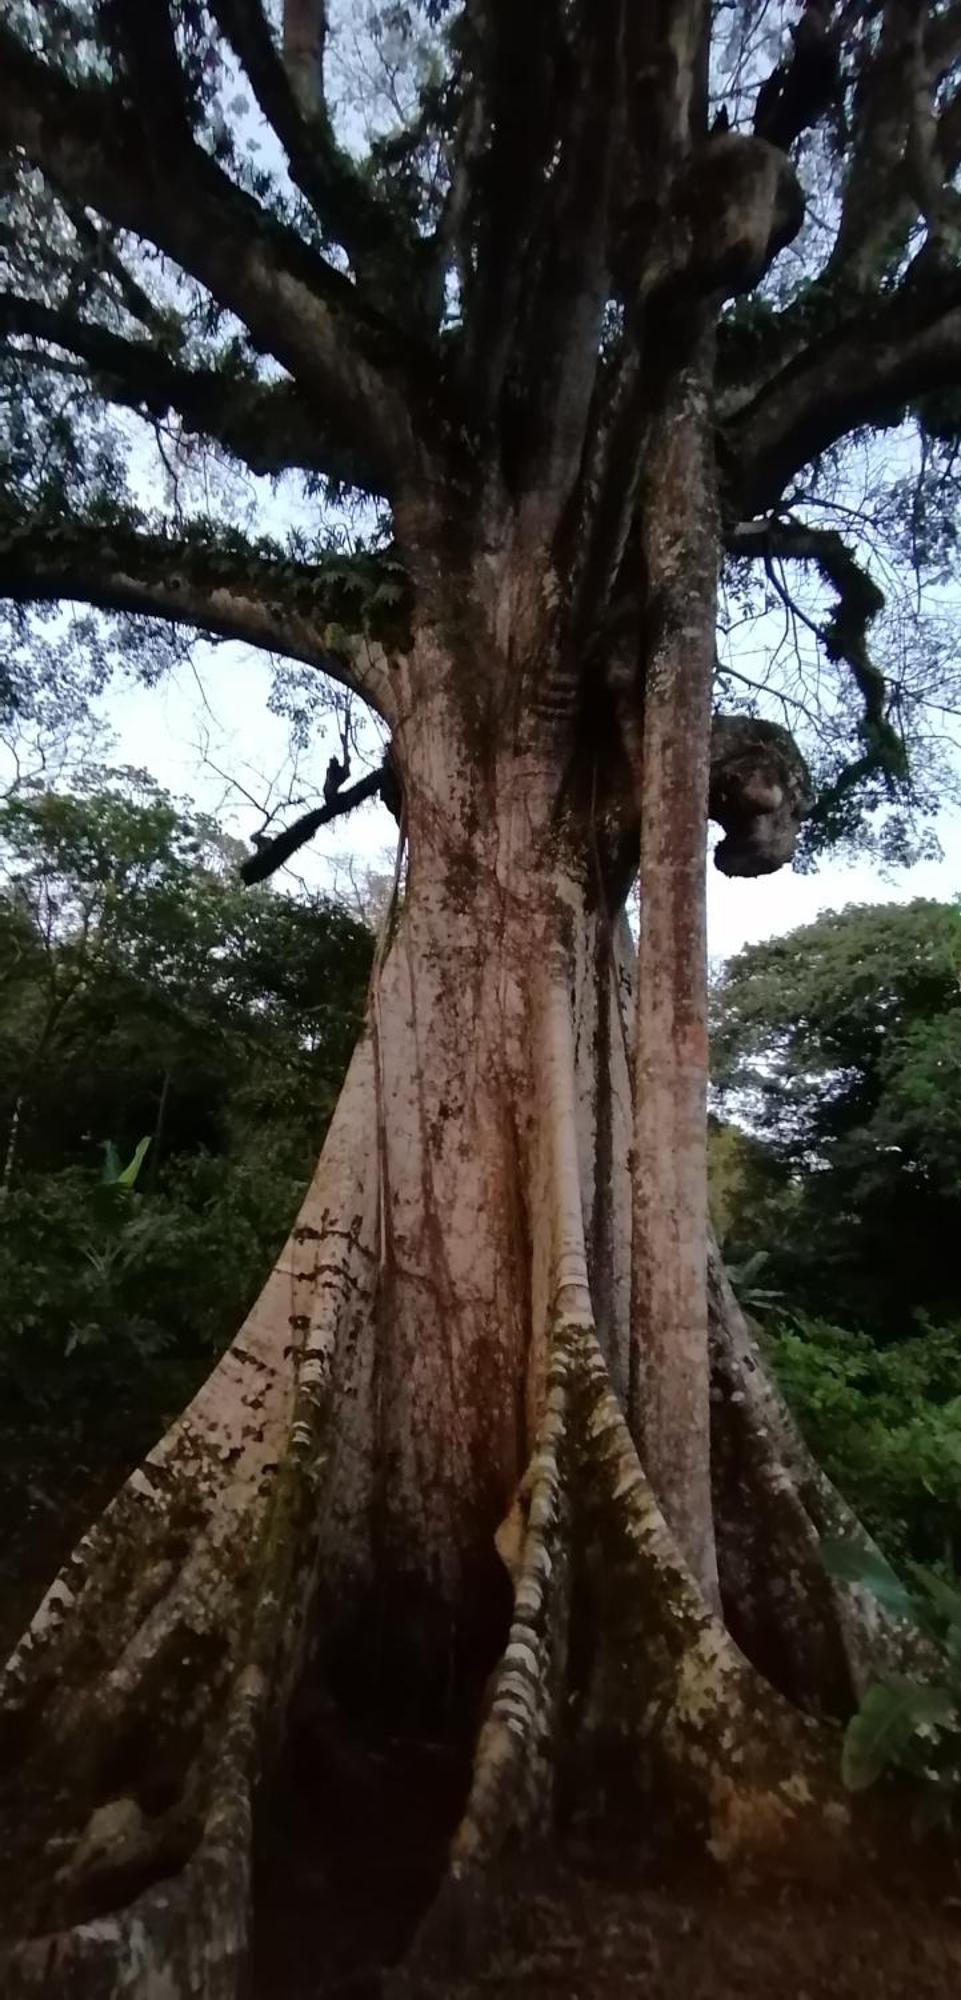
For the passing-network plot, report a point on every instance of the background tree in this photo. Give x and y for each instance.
(885, 1422)
(491, 301)
(840, 1047)
(145, 996)
(836, 1200)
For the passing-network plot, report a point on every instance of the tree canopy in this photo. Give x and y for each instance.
(253, 266)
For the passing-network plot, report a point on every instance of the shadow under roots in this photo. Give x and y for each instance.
(352, 1833)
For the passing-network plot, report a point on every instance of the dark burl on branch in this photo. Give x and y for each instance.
(742, 203)
(760, 793)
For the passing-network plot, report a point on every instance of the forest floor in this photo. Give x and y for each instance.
(352, 1850)
(671, 1943)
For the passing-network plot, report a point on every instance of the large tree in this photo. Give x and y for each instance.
(468, 1437)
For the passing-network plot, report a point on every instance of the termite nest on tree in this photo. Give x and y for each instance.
(742, 204)
(760, 793)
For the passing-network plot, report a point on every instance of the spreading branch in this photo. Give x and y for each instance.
(269, 426)
(845, 634)
(227, 591)
(294, 304)
(866, 372)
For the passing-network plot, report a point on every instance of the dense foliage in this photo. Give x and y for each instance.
(885, 1422)
(837, 1196)
(144, 996)
(839, 1048)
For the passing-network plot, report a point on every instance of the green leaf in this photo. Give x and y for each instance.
(889, 1716)
(744, 1274)
(852, 1562)
(128, 1178)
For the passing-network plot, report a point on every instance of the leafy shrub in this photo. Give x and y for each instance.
(885, 1422)
(903, 1723)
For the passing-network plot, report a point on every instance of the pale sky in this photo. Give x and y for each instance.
(169, 730)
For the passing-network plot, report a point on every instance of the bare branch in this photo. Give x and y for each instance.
(271, 854)
(102, 257)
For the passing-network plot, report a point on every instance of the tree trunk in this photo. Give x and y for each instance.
(412, 1475)
(10, 1151)
(670, 1388)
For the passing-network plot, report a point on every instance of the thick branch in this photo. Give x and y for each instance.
(294, 304)
(893, 162)
(560, 328)
(517, 49)
(142, 35)
(801, 89)
(305, 36)
(278, 605)
(289, 89)
(270, 426)
(866, 372)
